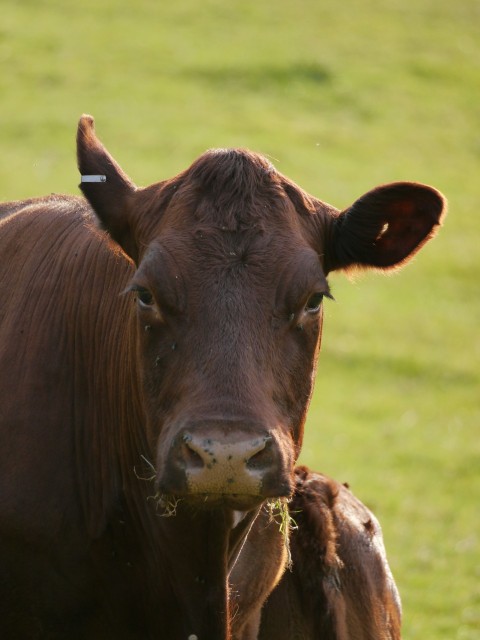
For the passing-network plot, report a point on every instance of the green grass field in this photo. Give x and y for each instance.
(341, 96)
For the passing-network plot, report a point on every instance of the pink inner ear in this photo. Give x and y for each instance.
(387, 226)
(404, 231)
(403, 208)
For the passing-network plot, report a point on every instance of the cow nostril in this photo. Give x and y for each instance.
(192, 459)
(262, 457)
(198, 454)
(192, 455)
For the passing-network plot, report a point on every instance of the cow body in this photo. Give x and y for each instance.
(339, 586)
(165, 373)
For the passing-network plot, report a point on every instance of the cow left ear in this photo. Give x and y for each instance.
(386, 227)
(108, 189)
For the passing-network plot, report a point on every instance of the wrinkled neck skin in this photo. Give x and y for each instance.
(198, 574)
(207, 547)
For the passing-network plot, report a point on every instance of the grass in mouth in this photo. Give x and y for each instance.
(279, 513)
(165, 504)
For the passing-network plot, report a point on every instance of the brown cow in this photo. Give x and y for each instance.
(340, 586)
(164, 366)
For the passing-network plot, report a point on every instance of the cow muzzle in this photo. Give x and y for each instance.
(230, 465)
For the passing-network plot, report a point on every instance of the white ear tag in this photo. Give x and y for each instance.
(94, 178)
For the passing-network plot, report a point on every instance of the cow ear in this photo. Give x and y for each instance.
(108, 189)
(386, 227)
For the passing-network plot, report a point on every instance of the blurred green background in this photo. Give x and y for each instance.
(341, 96)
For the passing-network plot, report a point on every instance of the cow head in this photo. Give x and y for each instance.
(231, 263)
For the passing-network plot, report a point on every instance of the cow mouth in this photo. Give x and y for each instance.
(213, 501)
(245, 498)
(166, 504)
(236, 501)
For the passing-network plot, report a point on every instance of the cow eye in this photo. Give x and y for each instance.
(314, 302)
(144, 297)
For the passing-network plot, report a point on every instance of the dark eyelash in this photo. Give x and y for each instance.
(143, 294)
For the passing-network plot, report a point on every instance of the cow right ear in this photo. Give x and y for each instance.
(386, 227)
(107, 188)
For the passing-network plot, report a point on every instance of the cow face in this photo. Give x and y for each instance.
(231, 263)
(229, 313)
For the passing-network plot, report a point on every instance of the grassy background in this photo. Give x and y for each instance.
(342, 96)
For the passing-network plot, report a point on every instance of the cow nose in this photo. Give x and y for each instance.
(206, 453)
(202, 463)
(213, 466)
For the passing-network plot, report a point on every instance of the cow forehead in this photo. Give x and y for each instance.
(206, 253)
(230, 211)
(203, 232)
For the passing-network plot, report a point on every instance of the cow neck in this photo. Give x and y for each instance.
(106, 396)
(193, 552)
